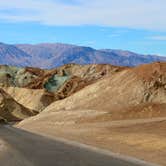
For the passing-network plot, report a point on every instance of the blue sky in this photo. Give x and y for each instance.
(134, 25)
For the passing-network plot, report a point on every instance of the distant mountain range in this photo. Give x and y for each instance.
(48, 55)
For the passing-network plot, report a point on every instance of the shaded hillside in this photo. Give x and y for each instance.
(11, 110)
(34, 99)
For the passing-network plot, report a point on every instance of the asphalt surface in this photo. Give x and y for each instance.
(27, 149)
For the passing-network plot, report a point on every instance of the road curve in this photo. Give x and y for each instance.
(27, 149)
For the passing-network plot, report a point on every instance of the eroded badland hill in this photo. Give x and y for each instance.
(118, 108)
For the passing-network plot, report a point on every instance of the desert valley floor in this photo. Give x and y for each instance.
(122, 109)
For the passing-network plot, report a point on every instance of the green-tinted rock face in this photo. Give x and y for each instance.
(21, 77)
(55, 79)
(14, 76)
(55, 82)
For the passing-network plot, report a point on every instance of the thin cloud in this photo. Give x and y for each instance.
(145, 14)
(114, 35)
(158, 38)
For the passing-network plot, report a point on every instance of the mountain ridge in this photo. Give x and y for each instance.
(51, 55)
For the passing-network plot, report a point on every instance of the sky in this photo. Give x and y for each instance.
(138, 26)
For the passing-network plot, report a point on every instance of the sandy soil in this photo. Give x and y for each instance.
(141, 138)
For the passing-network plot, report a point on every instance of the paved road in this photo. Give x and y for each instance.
(27, 149)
